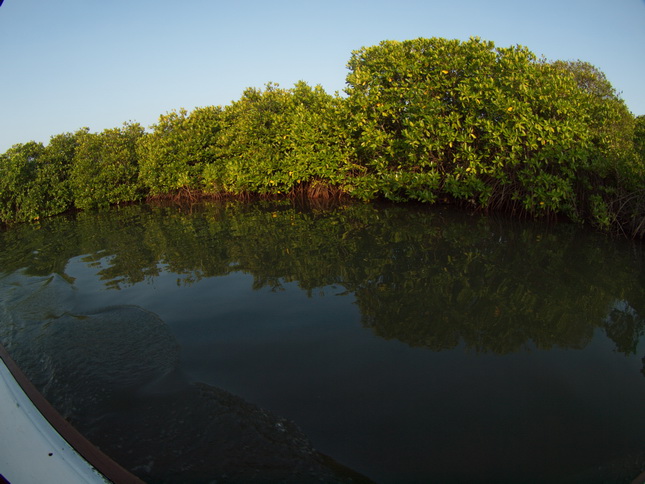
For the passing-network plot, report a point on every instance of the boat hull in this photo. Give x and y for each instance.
(38, 445)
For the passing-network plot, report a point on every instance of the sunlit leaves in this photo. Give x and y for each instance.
(181, 146)
(279, 139)
(479, 117)
(105, 167)
(18, 169)
(422, 120)
(34, 179)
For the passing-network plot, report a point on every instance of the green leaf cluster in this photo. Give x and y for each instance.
(427, 120)
(279, 141)
(495, 127)
(34, 179)
(180, 147)
(105, 167)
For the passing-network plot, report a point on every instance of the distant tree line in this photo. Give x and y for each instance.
(428, 120)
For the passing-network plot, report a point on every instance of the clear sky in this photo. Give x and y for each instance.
(66, 64)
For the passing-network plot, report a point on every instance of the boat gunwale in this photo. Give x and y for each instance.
(110, 469)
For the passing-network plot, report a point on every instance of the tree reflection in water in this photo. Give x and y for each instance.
(427, 277)
(430, 278)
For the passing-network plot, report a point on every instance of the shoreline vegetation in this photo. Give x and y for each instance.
(424, 120)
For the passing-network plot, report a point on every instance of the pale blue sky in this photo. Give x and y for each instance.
(66, 64)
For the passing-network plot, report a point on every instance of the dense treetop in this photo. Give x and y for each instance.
(429, 120)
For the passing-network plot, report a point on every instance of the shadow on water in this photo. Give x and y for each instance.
(409, 343)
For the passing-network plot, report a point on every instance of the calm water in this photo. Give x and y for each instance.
(409, 344)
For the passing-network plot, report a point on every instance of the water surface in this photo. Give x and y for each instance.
(410, 344)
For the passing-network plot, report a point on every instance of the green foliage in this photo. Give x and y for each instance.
(180, 147)
(613, 182)
(18, 169)
(636, 198)
(34, 179)
(253, 138)
(639, 137)
(276, 140)
(496, 127)
(52, 190)
(105, 168)
(424, 120)
(609, 121)
(493, 126)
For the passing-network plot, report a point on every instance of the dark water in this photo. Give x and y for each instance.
(410, 344)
